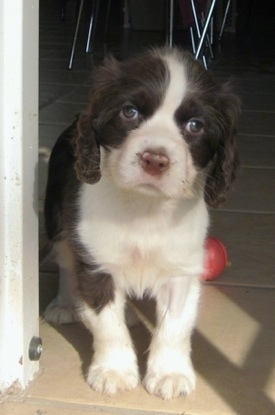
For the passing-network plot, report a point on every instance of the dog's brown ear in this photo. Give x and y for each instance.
(225, 161)
(86, 151)
(86, 140)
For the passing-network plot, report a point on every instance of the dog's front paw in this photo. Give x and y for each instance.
(169, 374)
(110, 381)
(59, 312)
(169, 386)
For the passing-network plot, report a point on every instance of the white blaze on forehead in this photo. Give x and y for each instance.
(177, 86)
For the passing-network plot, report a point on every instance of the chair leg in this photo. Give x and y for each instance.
(224, 19)
(171, 23)
(198, 32)
(107, 22)
(63, 10)
(192, 40)
(75, 34)
(92, 25)
(208, 38)
(126, 18)
(205, 28)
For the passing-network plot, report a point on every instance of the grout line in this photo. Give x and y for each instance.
(261, 136)
(99, 409)
(49, 272)
(64, 101)
(239, 285)
(54, 123)
(256, 212)
(259, 111)
(245, 166)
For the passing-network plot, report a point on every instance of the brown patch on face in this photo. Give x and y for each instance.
(140, 82)
(218, 108)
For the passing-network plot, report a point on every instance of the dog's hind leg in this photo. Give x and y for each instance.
(62, 309)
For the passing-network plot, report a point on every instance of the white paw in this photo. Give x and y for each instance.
(59, 312)
(109, 381)
(169, 386)
(170, 375)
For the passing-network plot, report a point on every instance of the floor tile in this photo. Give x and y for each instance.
(255, 101)
(42, 407)
(77, 95)
(256, 84)
(63, 76)
(249, 239)
(257, 151)
(48, 134)
(60, 113)
(253, 191)
(49, 93)
(233, 347)
(257, 122)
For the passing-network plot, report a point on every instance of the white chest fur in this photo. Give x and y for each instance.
(141, 240)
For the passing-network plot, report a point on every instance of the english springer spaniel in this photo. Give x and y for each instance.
(129, 187)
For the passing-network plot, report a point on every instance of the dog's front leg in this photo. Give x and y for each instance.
(169, 370)
(114, 365)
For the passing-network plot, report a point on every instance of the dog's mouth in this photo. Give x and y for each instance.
(150, 189)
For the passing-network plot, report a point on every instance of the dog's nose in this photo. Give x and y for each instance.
(154, 162)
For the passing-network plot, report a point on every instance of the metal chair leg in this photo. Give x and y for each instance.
(192, 40)
(126, 17)
(224, 19)
(76, 34)
(198, 32)
(171, 24)
(92, 25)
(205, 28)
(107, 22)
(208, 38)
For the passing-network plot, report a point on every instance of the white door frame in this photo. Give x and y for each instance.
(18, 189)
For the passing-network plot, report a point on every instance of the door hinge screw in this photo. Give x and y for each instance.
(35, 348)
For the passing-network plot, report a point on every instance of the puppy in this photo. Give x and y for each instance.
(126, 209)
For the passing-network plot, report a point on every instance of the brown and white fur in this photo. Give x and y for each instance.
(126, 209)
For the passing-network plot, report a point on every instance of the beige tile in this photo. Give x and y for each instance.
(48, 134)
(232, 352)
(62, 76)
(257, 84)
(253, 191)
(49, 93)
(257, 122)
(255, 100)
(60, 114)
(233, 345)
(261, 150)
(249, 239)
(236, 332)
(42, 407)
(79, 95)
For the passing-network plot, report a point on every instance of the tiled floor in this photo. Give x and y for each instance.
(234, 340)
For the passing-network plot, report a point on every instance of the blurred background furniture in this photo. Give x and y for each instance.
(197, 17)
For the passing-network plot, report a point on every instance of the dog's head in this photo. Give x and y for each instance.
(159, 123)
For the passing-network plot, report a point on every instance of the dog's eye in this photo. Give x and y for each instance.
(194, 126)
(130, 112)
